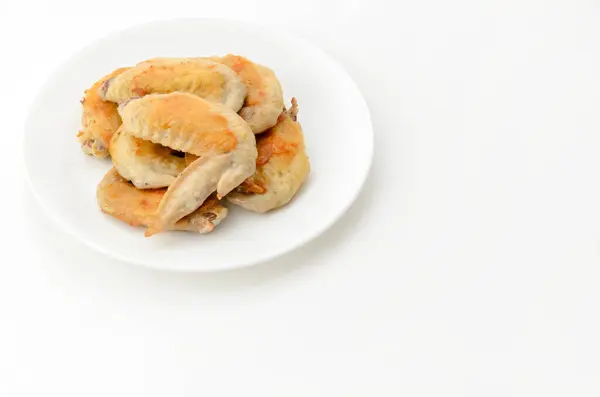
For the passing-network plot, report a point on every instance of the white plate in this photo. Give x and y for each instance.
(333, 114)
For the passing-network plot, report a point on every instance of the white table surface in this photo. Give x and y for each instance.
(469, 266)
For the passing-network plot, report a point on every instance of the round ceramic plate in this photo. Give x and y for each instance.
(333, 114)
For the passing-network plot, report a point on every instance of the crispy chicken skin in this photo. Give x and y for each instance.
(182, 122)
(202, 77)
(281, 166)
(120, 199)
(264, 101)
(190, 124)
(99, 119)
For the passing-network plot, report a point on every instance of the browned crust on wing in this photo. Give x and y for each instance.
(120, 199)
(184, 116)
(99, 119)
(264, 98)
(256, 184)
(280, 144)
(250, 76)
(164, 75)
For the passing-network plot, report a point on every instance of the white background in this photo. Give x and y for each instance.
(469, 266)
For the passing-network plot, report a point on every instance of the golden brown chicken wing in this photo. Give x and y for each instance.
(202, 77)
(264, 101)
(190, 124)
(99, 120)
(120, 199)
(281, 166)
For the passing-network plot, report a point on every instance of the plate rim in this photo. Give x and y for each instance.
(271, 255)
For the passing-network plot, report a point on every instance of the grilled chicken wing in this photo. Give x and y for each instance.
(264, 101)
(202, 77)
(99, 119)
(120, 199)
(281, 167)
(190, 124)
